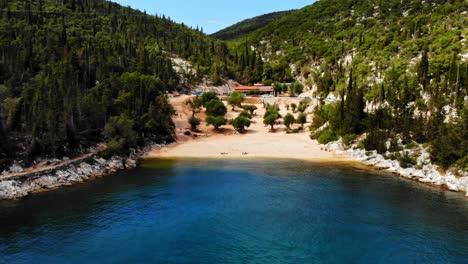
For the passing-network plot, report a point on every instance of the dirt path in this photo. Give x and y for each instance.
(38, 169)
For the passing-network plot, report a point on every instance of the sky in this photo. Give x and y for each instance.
(212, 15)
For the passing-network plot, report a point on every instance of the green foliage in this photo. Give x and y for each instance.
(235, 99)
(195, 105)
(120, 134)
(271, 116)
(400, 50)
(69, 66)
(412, 145)
(240, 123)
(394, 146)
(376, 140)
(406, 160)
(294, 107)
(245, 114)
(270, 120)
(451, 144)
(247, 26)
(66, 73)
(348, 139)
(302, 119)
(216, 121)
(208, 97)
(288, 120)
(303, 105)
(296, 88)
(194, 123)
(215, 107)
(250, 108)
(322, 115)
(325, 136)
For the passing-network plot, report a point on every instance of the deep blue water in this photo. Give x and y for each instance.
(264, 211)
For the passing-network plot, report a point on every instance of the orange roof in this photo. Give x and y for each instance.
(242, 88)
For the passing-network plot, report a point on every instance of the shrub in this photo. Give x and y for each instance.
(208, 97)
(270, 120)
(216, 121)
(288, 120)
(194, 122)
(376, 141)
(240, 123)
(293, 107)
(250, 108)
(406, 160)
(215, 108)
(394, 146)
(245, 114)
(326, 136)
(322, 115)
(302, 119)
(235, 99)
(412, 145)
(303, 106)
(120, 134)
(348, 139)
(463, 163)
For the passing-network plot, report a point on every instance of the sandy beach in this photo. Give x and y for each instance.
(257, 142)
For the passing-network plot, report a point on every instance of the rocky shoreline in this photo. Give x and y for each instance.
(93, 167)
(424, 172)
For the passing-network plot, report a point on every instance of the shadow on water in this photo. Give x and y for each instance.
(82, 201)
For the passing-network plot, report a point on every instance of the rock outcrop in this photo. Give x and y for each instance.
(16, 187)
(424, 172)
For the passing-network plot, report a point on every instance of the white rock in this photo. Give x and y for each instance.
(337, 145)
(47, 182)
(11, 190)
(451, 182)
(424, 158)
(15, 168)
(101, 161)
(463, 184)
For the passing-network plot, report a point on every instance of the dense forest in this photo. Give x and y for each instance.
(75, 72)
(247, 26)
(399, 70)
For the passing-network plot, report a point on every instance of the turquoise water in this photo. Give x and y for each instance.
(265, 211)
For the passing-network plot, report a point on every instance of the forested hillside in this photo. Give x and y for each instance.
(247, 26)
(398, 68)
(74, 73)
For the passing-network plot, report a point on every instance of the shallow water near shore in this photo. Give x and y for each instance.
(238, 211)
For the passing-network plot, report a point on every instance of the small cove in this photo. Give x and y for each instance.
(237, 211)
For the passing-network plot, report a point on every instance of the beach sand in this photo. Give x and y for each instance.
(257, 142)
